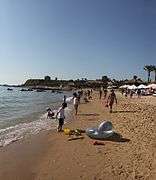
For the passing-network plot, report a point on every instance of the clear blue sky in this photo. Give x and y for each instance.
(76, 38)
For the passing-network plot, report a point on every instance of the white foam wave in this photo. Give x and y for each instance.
(69, 99)
(14, 133)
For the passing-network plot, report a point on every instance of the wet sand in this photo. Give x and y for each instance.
(49, 156)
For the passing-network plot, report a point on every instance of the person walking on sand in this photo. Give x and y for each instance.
(76, 103)
(61, 116)
(111, 99)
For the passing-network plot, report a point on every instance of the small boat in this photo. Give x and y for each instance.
(40, 90)
(59, 92)
(24, 90)
(9, 89)
(53, 91)
(30, 89)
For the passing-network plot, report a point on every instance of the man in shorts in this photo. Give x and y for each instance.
(111, 99)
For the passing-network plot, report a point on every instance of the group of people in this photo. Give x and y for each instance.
(60, 114)
(131, 92)
(77, 97)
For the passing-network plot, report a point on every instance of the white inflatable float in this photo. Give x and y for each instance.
(105, 130)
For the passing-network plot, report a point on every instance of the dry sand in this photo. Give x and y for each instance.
(50, 156)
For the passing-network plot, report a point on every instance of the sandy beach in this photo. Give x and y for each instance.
(50, 156)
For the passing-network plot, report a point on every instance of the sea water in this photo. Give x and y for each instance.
(23, 113)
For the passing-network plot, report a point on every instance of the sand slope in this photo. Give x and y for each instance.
(130, 159)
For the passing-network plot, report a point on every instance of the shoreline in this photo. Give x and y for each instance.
(21, 124)
(49, 153)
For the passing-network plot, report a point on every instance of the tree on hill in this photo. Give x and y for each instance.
(105, 79)
(135, 77)
(47, 78)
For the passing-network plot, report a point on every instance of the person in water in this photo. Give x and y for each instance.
(61, 116)
(50, 113)
(111, 99)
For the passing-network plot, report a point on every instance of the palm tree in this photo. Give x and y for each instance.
(135, 77)
(149, 69)
(154, 69)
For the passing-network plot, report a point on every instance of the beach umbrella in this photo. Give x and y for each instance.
(124, 86)
(142, 86)
(153, 86)
(132, 87)
(112, 87)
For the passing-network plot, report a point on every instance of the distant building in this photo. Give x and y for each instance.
(47, 78)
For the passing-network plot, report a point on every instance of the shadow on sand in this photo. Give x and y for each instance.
(124, 111)
(116, 138)
(90, 114)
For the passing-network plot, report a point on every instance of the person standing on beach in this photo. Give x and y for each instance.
(126, 93)
(88, 93)
(139, 93)
(76, 103)
(105, 93)
(61, 116)
(100, 94)
(91, 91)
(111, 99)
(131, 93)
(64, 98)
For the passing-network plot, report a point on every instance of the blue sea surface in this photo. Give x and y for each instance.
(24, 112)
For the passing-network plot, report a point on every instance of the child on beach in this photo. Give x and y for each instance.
(61, 116)
(50, 113)
(111, 99)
